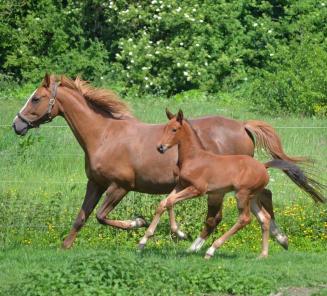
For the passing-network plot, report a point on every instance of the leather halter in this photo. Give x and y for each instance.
(47, 115)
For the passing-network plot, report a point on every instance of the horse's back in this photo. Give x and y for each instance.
(223, 135)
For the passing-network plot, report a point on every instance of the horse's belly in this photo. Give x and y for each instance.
(161, 185)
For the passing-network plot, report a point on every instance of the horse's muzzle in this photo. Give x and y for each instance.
(162, 148)
(20, 127)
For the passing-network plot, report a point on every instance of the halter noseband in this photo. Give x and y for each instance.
(47, 114)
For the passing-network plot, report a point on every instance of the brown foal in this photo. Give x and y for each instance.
(201, 172)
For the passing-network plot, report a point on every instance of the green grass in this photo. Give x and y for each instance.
(42, 186)
(155, 272)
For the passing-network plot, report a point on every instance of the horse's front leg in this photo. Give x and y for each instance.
(114, 195)
(92, 196)
(214, 217)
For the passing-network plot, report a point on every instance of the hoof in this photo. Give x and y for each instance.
(207, 256)
(190, 250)
(66, 245)
(181, 235)
(139, 222)
(141, 247)
(262, 256)
(283, 241)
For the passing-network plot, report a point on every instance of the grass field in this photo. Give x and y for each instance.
(42, 186)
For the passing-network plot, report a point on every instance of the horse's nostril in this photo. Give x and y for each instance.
(160, 148)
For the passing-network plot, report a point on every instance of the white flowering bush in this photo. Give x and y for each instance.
(169, 46)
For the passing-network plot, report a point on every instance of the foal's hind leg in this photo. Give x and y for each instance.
(243, 204)
(214, 217)
(264, 219)
(266, 201)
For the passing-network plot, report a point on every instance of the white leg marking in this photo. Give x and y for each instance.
(181, 234)
(210, 252)
(196, 245)
(258, 212)
(143, 240)
(138, 222)
(280, 237)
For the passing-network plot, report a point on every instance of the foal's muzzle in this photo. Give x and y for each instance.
(162, 148)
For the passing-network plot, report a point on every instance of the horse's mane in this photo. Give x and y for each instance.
(105, 99)
(196, 134)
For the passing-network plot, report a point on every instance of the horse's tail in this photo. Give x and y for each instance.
(267, 138)
(300, 178)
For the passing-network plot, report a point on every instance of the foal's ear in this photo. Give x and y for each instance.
(169, 114)
(180, 116)
(46, 80)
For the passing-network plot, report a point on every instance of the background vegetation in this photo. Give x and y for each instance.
(271, 53)
(245, 59)
(42, 185)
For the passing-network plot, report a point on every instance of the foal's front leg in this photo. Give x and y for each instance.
(176, 195)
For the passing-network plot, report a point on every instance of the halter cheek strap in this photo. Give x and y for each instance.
(47, 116)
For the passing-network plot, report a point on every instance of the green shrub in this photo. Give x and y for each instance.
(296, 82)
(41, 37)
(169, 46)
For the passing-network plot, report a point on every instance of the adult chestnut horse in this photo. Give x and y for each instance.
(120, 154)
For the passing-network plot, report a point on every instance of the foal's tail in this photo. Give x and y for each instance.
(267, 138)
(300, 178)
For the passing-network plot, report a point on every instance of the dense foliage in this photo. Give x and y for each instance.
(273, 52)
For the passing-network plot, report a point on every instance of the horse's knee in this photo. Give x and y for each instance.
(245, 220)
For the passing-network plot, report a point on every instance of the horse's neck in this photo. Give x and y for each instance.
(86, 124)
(189, 145)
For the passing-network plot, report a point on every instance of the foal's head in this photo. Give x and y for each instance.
(41, 107)
(171, 133)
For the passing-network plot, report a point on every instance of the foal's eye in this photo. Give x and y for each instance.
(35, 100)
(174, 130)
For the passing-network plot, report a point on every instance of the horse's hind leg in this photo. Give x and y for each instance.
(114, 195)
(266, 201)
(214, 217)
(92, 196)
(264, 219)
(243, 204)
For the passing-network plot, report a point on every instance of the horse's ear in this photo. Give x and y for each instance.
(46, 80)
(62, 79)
(169, 114)
(180, 116)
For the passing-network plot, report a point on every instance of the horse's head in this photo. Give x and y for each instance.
(40, 108)
(171, 132)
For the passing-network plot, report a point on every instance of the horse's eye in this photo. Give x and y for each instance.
(174, 130)
(35, 100)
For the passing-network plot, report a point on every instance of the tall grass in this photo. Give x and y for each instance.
(42, 186)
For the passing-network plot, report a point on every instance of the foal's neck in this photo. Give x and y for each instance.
(189, 144)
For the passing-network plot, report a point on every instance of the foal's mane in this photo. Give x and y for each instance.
(105, 99)
(195, 133)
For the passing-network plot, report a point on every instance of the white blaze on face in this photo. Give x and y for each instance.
(21, 110)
